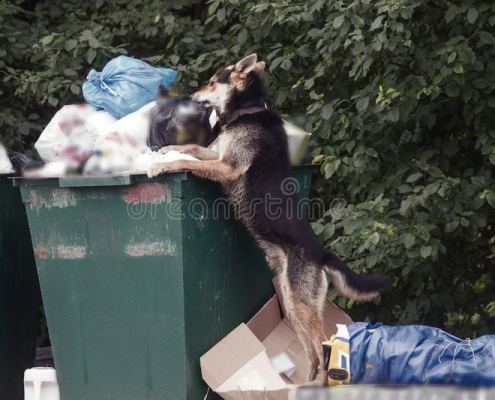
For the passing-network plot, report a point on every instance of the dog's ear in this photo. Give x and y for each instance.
(259, 67)
(247, 64)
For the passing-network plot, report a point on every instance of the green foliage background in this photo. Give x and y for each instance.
(400, 95)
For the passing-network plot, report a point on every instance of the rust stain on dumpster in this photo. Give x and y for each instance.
(41, 252)
(147, 193)
(150, 248)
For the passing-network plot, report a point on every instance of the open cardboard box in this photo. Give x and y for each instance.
(247, 363)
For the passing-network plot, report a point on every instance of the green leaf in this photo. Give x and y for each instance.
(242, 36)
(414, 177)
(47, 40)
(221, 14)
(377, 23)
(481, 83)
(331, 167)
(452, 57)
(451, 13)
(69, 72)
(52, 101)
(490, 198)
(90, 55)
(479, 181)
(487, 37)
(435, 172)
(394, 114)
(405, 189)
(472, 15)
(375, 238)
(75, 88)
(318, 227)
(70, 44)
(328, 232)
(337, 22)
(425, 251)
(326, 111)
(362, 104)
(409, 240)
(93, 42)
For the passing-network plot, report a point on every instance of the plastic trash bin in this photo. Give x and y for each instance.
(140, 278)
(19, 294)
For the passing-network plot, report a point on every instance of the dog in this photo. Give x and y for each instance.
(252, 164)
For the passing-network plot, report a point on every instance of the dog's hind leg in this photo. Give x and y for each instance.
(305, 293)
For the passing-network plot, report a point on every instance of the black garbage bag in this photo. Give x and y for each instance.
(178, 121)
(22, 163)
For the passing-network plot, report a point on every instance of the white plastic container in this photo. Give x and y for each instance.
(41, 384)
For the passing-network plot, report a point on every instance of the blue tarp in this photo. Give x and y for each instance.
(419, 354)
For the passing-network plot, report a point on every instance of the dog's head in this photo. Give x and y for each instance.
(230, 82)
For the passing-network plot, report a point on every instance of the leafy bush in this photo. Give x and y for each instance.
(399, 93)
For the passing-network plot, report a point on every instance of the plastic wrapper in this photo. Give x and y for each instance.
(22, 163)
(125, 85)
(178, 121)
(118, 147)
(5, 164)
(72, 133)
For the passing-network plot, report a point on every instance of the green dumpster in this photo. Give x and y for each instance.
(140, 278)
(19, 294)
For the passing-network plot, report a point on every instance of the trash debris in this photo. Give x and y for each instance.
(413, 354)
(22, 163)
(5, 164)
(41, 383)
(72, 133)
(178, 121)
(262, 358)
(125, 85)
(121, 143)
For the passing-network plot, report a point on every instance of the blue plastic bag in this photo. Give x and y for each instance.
(417, 354)
(125, 85)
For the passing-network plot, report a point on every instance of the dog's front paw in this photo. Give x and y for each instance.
(158, 168)
(167, 149)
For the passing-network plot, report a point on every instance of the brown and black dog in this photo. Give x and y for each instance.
(253, 165)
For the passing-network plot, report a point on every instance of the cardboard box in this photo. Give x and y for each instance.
(247, 363)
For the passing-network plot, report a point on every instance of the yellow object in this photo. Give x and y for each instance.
(337, 357)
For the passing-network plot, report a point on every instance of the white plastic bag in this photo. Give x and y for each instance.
(72, 132)
(117, 148)
(5, 164)
(52, 169)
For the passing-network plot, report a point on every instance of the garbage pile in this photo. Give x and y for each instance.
(129, 114)
(119, 127)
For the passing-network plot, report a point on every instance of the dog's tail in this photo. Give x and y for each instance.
(350, 284)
